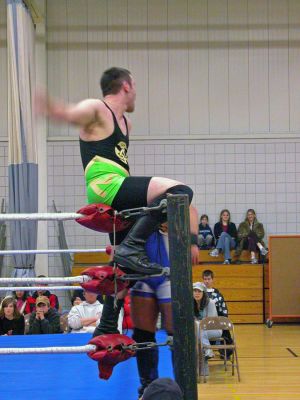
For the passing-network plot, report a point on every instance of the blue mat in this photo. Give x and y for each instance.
(73, 376)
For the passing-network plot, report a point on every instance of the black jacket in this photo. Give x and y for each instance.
(50, 324)
(231, 230)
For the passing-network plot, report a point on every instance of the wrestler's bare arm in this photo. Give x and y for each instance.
(82, 114)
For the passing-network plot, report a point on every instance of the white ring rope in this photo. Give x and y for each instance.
(36, 288)
(46, 280)
(49, 350)
(50, 251)
(41, 217)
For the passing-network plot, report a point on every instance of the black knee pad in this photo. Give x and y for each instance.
(182, 189)
(141, 336)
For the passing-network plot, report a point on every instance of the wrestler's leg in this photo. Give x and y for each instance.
(144, 313)
(130, 255)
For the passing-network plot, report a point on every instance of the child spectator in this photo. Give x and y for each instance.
(250, 236)
(45, 319)
(11, 321)
(205, 235)
(85, 316)
(226, 234)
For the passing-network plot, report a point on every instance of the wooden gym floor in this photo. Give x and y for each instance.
(269, 366)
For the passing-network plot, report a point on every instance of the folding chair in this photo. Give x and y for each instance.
(216, 323)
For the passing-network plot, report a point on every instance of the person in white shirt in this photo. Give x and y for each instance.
(85, 316)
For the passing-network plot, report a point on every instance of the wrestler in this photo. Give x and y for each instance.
(104, 141)
(148, 297)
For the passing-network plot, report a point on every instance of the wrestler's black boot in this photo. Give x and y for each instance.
(109, 318)
(147, 360)
(130, 254)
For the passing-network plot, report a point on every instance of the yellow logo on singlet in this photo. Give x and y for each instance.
(121, 152)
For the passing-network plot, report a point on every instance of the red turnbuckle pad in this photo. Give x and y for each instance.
(101, 218)
(110, 351)
(104, 279)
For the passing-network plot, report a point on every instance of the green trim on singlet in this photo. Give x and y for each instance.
(103, 180)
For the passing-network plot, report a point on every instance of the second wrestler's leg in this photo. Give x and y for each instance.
(144, 313)
(131, 255)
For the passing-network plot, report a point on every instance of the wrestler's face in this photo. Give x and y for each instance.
(131, 95)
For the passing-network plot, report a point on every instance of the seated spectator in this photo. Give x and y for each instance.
(77, 297)
(85, 316)
(250, 236)
(21, 298)
(53, 300)
(205, 307)
(163, 389)
(45, 319)
(11, 321)
(226, 234)
(216, 296)
(205, 236)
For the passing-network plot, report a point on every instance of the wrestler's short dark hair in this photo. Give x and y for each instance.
(112, 79)
(208, 273)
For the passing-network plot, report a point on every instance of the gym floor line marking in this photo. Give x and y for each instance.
(291, 351)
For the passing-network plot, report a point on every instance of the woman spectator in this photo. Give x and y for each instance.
(205, 235)
(226, 234)
(250, 236)
(11, 321)
(21, 300)
(205, 307)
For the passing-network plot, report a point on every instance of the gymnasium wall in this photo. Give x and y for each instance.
(217, 105)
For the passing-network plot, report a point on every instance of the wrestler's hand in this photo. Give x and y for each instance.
(195, 254)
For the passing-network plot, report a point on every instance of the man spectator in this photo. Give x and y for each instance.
(215, 295)
(53, 300)
(45, 319)
(85, 316)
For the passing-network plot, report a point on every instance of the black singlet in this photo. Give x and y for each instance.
(114, 147)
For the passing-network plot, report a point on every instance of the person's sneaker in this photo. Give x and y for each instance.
(254, 261)
(227, 262)
(263, 251)
(209, 354)
(214, 253)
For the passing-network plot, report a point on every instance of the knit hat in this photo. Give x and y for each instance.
(163, 389)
